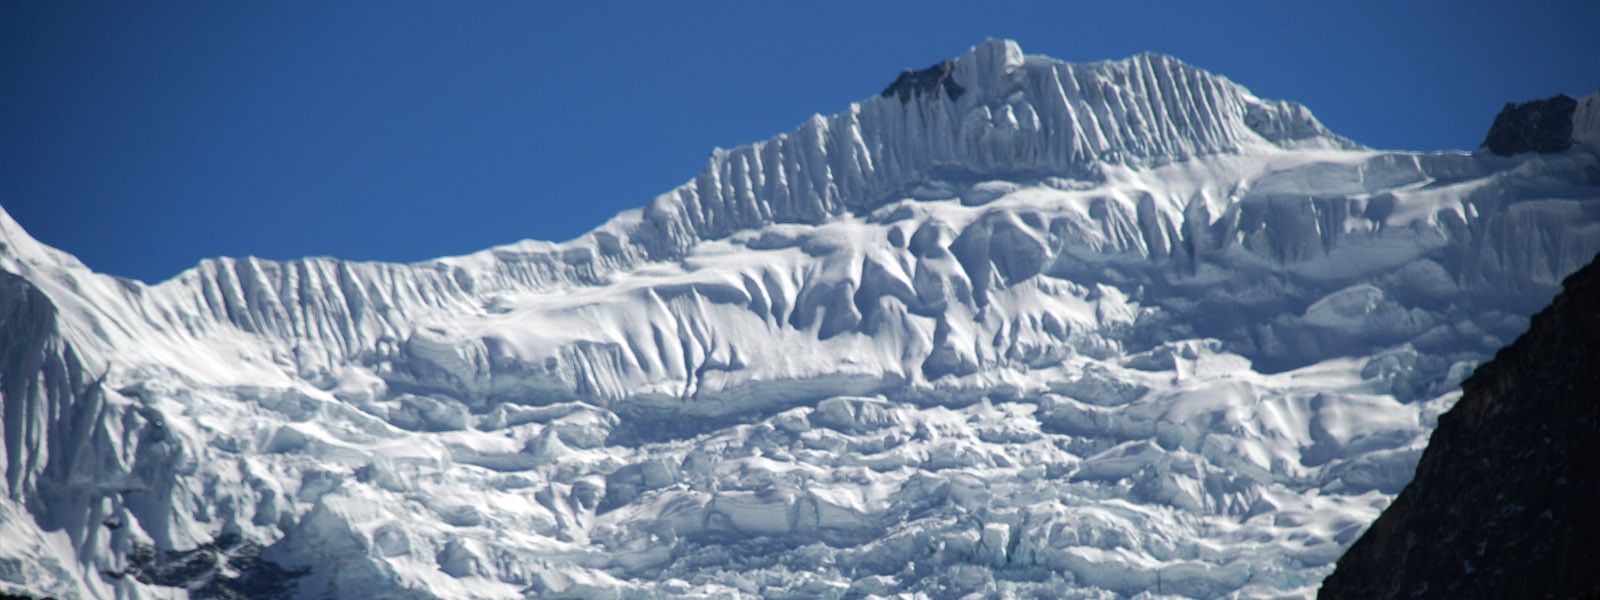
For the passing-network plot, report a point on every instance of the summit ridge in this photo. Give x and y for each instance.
(1001, 114)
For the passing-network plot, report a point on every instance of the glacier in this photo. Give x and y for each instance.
(1012, 327)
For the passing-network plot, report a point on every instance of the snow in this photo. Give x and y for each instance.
(1586, 121)
(1084, 331)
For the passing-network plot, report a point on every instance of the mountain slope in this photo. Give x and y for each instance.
(1011, 326)
(1501, 506)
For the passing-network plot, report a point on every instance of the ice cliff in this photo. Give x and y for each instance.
(1011, 326)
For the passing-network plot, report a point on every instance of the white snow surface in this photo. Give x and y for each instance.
(1081, 331)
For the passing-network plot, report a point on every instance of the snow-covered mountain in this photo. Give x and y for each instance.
(1013, 326)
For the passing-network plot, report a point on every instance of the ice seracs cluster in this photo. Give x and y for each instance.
(1012, 327)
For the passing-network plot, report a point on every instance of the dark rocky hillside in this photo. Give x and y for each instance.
(1505, 499)
(1536, 126)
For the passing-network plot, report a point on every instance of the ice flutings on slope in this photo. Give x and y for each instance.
(1014, 326)
(1018, 117)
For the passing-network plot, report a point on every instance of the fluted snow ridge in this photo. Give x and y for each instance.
(332, 308)
(991, 112)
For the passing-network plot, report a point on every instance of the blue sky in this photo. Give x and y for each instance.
(144, 136)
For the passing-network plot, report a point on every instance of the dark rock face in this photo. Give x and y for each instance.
(1506, 499)
(1537, 126)
(926, 82)
(227, 568)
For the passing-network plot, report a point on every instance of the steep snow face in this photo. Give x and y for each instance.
(1013, 326)
(992, 113)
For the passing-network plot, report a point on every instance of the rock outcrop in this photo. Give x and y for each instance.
(1536, 126)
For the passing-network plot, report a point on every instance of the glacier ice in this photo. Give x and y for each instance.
(1088, 331)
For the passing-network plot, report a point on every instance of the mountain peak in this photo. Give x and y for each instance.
(18, 248)
(989, 61)
(982, 66)
(997, 49)
(1550, 125)
(991, 112)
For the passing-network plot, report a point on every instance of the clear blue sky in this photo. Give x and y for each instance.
(144, 136)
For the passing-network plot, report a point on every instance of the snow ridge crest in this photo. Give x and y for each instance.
(993, 112)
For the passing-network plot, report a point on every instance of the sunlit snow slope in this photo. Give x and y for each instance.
(1012, 326)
